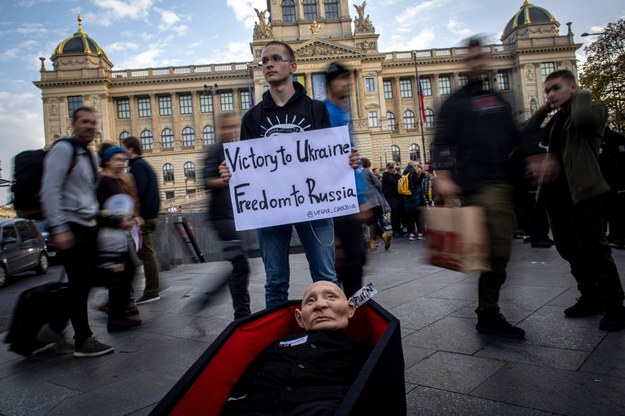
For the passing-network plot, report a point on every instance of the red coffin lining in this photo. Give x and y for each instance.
(209, 392)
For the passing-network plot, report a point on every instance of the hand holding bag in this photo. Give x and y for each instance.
(457, 238)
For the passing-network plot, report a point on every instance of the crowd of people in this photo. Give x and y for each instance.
(479, 158)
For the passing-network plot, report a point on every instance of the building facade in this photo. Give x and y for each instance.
(173, 110)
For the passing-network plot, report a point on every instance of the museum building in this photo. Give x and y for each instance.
(173, 110)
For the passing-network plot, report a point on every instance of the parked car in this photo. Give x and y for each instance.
(22, 248)
(43, 228)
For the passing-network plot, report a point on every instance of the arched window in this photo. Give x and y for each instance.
(415, 152)
(189, 171)
(331, 8)
(409, 119)
(310, 9)
(168, 172)
(392, 123)
(167, 138)
(123, 135)
(147, 140)
(188, 137)
(396, 153)
(288, 11)
(429, 118)
(208, 135)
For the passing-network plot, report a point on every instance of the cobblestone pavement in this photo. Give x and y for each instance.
(563, 367)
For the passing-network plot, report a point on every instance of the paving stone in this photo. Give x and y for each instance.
(563, 392)
(549, 327)
(28, 394)
(453, 372)
(609, 356)
(426, 401)
(449, 334)
(423, 311)
(131, 393)
(522, 352)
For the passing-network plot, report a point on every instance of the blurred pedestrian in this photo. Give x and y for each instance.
(475, 136)
(222, 219)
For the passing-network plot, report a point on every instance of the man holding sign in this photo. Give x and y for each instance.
(286, 109)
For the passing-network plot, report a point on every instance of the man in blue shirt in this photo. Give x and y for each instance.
(348, 228)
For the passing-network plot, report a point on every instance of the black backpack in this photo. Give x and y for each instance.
(27, 174)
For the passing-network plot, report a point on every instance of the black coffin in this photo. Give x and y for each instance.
(378, 389)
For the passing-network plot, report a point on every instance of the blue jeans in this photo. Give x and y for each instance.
(317, 237)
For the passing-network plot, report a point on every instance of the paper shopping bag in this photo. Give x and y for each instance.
(457, 238)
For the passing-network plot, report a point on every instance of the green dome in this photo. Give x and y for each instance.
(79, 43)
(529, 14)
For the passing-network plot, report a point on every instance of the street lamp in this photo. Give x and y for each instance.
(212, 90)
(592, 34)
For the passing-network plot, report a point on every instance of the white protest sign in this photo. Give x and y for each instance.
(290, 178)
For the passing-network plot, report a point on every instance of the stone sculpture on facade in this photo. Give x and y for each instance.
(262, 28)
(362, 23)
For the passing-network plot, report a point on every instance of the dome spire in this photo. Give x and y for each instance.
(79, 21)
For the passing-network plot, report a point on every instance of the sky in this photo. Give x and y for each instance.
(157, 33)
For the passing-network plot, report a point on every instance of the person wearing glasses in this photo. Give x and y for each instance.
(285, 108)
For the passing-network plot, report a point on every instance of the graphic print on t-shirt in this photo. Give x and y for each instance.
(290, 124)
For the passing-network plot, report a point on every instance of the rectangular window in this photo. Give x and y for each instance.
(245, 100)
(227, 101)
(164, 106)
(462, 80)
(503, 81)
(388, 90)
(331, 9)
(310, 9)
(170, 194)
(370, 84)
(186, 104)
(73, 104)
(547, 68)
(123, 108)
(206, 103)
(444, 84)
(145, 107)
(426, 87)
(319, 87)
(288, 11)
(486, 84)
(405, 88)
(373, 119)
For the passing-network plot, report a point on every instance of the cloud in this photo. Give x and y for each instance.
(32, 29)
(121, 46)
(145, 59)
(119, 9)
(422, 40)
(168, 18)
(420, 12)
(244, 10)
(458, 28)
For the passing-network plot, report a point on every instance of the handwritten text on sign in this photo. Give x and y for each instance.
(284, 179)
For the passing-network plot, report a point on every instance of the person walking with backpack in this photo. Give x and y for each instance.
(70, 206)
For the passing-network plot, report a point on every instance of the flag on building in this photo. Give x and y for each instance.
(421, 102)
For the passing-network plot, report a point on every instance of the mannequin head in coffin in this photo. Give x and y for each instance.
(324, 308)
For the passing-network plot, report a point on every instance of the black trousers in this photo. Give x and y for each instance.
(79, 263)
(580, 240)
(348, 232)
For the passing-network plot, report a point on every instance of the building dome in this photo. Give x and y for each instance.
(79, 43)
(528, 15)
